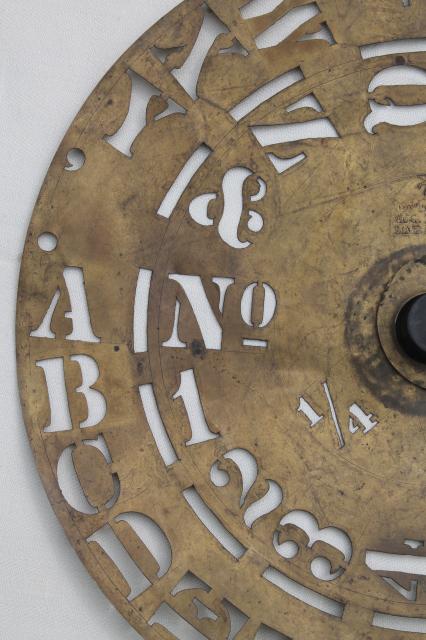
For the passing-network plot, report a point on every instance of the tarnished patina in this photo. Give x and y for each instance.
(218, 307)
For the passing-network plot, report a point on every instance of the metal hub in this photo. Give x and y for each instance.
(411, 328)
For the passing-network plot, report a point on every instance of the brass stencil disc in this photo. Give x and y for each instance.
(214, 327)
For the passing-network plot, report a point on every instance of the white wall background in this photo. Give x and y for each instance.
(52, 54)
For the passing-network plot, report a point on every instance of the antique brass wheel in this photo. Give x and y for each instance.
(219, 324)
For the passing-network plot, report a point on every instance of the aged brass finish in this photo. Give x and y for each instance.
(215, 294)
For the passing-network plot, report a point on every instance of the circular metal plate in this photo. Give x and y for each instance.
(221, 413)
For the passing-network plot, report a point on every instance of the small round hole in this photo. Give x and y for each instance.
(75, 160)
(116, 348)
(47, 242)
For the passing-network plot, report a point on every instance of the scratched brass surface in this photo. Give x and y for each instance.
(323, 399)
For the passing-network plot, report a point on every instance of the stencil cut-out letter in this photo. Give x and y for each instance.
(210, 328)
(60, 416)
(79, 310)
(127, 532)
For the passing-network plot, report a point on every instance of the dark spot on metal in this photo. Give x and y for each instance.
(198, 349)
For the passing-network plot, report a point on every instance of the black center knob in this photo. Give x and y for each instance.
(411, 328)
